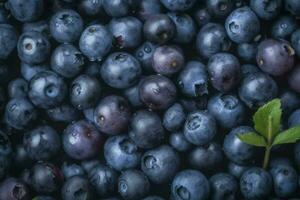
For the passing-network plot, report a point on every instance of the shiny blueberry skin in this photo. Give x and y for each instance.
(236, 150)
(295, 41)
(116, 8)
(95, 42)
(13, 189)
(190, 184)
(185, 27)
(281, 51)
(200, 127)
(294, 119)
(71, 169)
(224, 71)
(133, 185)
(33, 47)
(242, 25)
(112, 115)
(133, 95)
(256, 183)
(285, 180)
(67, 60)
(146, 129)
(160, 164)
(28, 71)
(120, 70)
(66, 26)
(127, 32)
(121, 153)
(236, 170)
(266, 10)
(47, 89)
(159, 29)
(157, 92)
(144, 54)
(223, 187)
(247, 52)
(206, 158)
(81, 140)
(168, 60)
(283, 27)
(104, 179)
(77, 187)
(228, 110)
(219, 8)
(178, 141)
(17, 88)
(256, 89)
(20, 113)
(42, 143)
(91, 7)
(174, 117)
(8, 40)
(63, 113)
(147, 8)
(211, 39)
(85, 92)
(26, 11)
(178, 5)
(193, 79)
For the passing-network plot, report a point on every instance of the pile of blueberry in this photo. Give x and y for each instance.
(143, 99)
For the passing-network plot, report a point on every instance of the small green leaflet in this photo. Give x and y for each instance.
(253, 139)
(289, 136)
(267, 119)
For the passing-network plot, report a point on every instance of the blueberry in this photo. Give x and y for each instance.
(66, 26)
(5, 73)
(279, 162)
(147, 8)
(21, 158)
(281, 51)
(295, 41)
(256, 89)
(294, 119)
(160, 164)
(200, 127)
(77, 187)
(202, 16)
(121, 153)
(103, 179)
(146, 129)
(120, 70)
(290, 101)
(47, 89)
(13, 189)
(127, 32)
(256, 183)
(153, 198)
(112, 115)
(266, 10)
(174, 117)
(85, 92)
(95, 42)
(28, 71)
(117, 8)
(133, 95)
(157, 92)
(26, 11)
(20, 113)
(178, 5)
(248, 69)
(93, 69)
(185, 27)
(211, 39)
(33, 47)
(247, 51)
(190, 184)
(18, 88)
(224, 71)
(63, 113)
(81, 140)
(228, 110)
(159, 29)
(193, 79)
(236, 170)
(206, 158)
(297, 154)
(133, 185)
(71, 169)
(293, 6)
(178, 141)
(236, 150)
(294, 78)
(41, 26)
(8, 40)
(144, 54)
(219, 8)
(223, 187)
(88, 165)
(67, 60)
(167, 60)
(6, 153)
(283, 27)
(43, 198)
(91, 7)
(45, 178)
(242, 25)
(4, 17)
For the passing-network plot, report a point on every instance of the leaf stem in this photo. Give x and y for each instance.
(267, 156)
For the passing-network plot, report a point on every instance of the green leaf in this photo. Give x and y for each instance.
(253, 139)
(289, 136)
(267, 119)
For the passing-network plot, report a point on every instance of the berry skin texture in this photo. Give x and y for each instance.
(266, 10)
(174, 117)
(294, 78)
(8, 40)
(178, 5)
(12, 188)
(26, 11)
(275, 57)
(77, 187)
(295, 41)
(223, 186)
